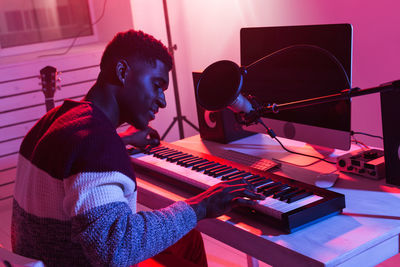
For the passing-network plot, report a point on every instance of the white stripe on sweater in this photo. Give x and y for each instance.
(44, 196)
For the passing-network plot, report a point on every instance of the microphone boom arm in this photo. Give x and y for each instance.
(261, 110)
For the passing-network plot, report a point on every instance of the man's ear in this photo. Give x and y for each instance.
(121, 69)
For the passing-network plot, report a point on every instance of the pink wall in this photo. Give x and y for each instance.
(206, 31)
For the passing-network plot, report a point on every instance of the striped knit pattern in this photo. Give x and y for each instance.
(75, 196)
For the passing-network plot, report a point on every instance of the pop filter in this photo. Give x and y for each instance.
(220, 85)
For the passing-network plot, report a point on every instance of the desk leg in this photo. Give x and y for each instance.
(251, 262)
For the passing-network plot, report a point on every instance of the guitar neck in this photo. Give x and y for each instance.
(49, 104)
(48, 76)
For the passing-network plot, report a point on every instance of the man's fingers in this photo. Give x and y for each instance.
(244, 192)
(244, 202)
(242, 183)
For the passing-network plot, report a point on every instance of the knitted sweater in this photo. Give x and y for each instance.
(75, 196)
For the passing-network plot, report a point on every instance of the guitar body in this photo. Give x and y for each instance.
(48, 76)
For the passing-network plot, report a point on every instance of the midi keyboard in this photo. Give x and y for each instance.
(289, 204)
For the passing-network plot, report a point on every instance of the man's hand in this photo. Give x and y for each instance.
(222, 197)
(142, 139)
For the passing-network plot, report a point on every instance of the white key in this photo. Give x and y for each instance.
(181, 173)
(276, 208)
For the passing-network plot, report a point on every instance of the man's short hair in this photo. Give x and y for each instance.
(135, 45)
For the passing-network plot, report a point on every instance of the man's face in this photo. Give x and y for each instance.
(143, 93)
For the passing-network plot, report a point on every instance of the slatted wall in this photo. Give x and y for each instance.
(22, 103)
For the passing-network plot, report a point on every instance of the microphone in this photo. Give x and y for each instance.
(219, 87)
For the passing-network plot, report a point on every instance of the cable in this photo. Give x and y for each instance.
(357, 142)
(298, 153)
(273, 135)
(367, 134)
(79, 33)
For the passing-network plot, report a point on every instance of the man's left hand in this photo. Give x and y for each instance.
(142, 139)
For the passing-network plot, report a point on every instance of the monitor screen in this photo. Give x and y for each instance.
(301, 62)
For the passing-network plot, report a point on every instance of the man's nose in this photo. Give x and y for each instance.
(162, 103)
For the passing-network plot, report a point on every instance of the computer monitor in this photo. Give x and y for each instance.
(313, 61)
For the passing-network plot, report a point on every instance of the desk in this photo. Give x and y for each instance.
(366, 234)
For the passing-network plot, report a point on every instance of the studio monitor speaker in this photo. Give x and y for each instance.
(219, 126)
(390, 102)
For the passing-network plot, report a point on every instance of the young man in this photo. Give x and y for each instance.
(75, 191)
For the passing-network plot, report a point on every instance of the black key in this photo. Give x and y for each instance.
(157, 149)
(218, 167)
(162, 151)
(163, 154)
(289, 192)
(195, 166)
(261, 183)
(270, 191)
(264, 187)
(192, 163)
(281, 192)
(227, 171)
(199, 165)
(239, 175)
(222, 168)
(298, 196)
(253, 177)
(243, 175)
(176, 158)
(166, 155)
(228, 176)
(174, 155)
(204, 167)
(185, 160)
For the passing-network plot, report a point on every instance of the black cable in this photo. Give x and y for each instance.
(79, 33)
(298, 153)
(367, 134)
(273, 135)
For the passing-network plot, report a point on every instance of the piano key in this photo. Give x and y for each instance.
(270, 191)
(191, 158)
(195, 162)
(254, 178)
(265, 187)
(166, 154)
(176, 158)
(210, 167)
(276, 208)
(285, 192)
(166, 151)
(204, 167)
(298, 196)
(279, 193)
(260, 182)
(216, 168)
(187, 175)
(239, 175)
(288, 195)
(200, 164)
(228, 176)
(156, 149)
(225, 172)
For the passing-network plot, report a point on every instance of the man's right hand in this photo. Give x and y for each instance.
(222, 197)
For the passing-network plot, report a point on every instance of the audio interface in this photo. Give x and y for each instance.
(368, 163)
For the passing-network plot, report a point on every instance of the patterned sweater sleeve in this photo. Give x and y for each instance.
(110, 233)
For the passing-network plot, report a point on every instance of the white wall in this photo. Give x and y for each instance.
(22, 101)
(208, 30)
